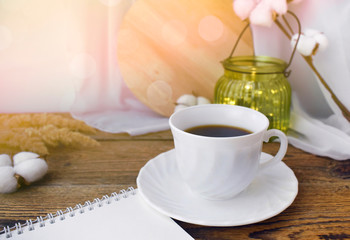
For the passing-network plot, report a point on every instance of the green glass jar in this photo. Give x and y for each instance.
(257, 82)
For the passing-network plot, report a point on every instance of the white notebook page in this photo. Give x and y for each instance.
(128, 218)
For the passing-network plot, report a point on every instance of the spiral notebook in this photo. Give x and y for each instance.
(122, 215)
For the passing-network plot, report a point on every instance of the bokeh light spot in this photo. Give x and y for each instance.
(210, 28)
(5, 38)
(159, 93)
(174, 32)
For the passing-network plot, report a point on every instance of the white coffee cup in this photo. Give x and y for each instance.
(219, 168)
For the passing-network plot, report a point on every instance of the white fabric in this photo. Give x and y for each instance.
(61, 56)
(317, 136)
(321, 128)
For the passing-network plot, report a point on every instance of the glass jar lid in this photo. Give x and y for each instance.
(255, 64)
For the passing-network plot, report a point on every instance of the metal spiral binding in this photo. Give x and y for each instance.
(71, 212)
(18, 228)
(41, 221)
(51, 218)
(29, 223)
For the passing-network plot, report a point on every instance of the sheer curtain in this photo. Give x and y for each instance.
(61, 56)
(33, 59)
(103, 100)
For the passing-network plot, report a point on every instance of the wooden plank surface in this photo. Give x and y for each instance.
(320, 211)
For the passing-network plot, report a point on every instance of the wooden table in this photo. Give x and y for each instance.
(320, 211)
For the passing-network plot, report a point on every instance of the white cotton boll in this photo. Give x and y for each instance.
(262, 15)
(22, 156)
(322, 41)
(187, 100)
(294, 39)
(280, 7)
(32, 169)
(5, 160)
(318, 36)
(243, 8)
(179, 107)
(202, 100)
(8, 181)
(306, 45)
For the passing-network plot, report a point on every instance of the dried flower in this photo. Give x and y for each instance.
(42, 119)
(37, 132)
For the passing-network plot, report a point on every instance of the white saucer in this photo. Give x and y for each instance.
(162, 187)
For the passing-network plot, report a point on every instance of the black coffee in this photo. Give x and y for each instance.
(218, 131)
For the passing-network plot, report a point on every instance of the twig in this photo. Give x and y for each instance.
(288, 25)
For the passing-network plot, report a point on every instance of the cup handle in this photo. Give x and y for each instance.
(281, 151)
